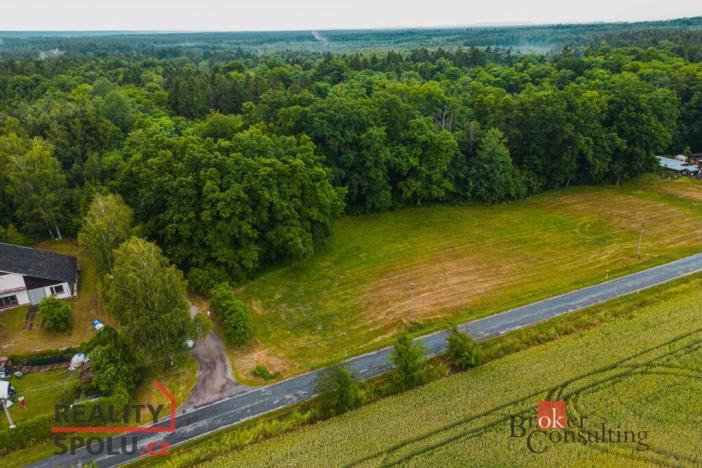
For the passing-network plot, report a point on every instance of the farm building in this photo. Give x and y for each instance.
(678, 166)
(29, 275)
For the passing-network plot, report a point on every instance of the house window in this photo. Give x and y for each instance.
(56, 289)
(8, 301)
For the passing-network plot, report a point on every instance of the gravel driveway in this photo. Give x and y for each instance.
(214, 372)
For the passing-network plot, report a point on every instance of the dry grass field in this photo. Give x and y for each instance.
(466, 262)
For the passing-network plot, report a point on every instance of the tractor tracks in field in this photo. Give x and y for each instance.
(572, 390)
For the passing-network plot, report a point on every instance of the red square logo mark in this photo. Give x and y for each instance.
(551, 414)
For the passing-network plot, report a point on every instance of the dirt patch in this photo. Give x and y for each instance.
(31, 316)
(663, 223)
(596, 231)
(257, 307)
(255, 354)
(440, 287)
(691, 191)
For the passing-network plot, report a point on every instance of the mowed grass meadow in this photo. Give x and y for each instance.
(639, 372)
(465, 261)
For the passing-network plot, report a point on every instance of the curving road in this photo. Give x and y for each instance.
(237, 408)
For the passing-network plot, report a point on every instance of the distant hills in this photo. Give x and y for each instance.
(524, 38)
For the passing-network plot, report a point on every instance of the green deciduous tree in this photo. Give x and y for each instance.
(338, 391)
(107, 224)
(37, 187)
(220, 126)
(146, 295)
(118, 108)
(409, 358)
(232, 314)
(644, 119)
(55, 315)
(355, 148)
(112, 364)
(463, 351)
(226, 208)
(492, 176)
(424, 159)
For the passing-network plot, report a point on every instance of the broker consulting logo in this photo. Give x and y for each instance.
(79, 426)
(550, 426)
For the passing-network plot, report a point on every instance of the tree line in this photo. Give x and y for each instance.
(231, 165)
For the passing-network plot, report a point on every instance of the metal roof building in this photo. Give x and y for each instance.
(677, 166)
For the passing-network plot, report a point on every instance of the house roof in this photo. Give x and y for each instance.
(37, 263)
(675, 165)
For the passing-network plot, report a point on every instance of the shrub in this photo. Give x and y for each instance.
(338, 391)
(112, 363)
(55, 315)
(203, 280)
(202, 325)
(262, 372)
(232, 314)
(410, 361)
(11, 235)
(463, 350)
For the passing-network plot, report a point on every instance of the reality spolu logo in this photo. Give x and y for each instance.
(95, 418)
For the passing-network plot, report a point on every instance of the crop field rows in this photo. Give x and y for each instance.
(659, 360)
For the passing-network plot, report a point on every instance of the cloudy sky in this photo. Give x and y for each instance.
(236, 15)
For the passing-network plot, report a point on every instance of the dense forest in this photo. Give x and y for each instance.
(233, 161)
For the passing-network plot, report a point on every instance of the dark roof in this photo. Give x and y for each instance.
(38, 263)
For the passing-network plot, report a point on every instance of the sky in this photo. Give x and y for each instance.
(266, 15)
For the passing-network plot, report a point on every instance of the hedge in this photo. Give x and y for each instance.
(40, 358)
(26, 434)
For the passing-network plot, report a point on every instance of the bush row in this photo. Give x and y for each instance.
(40, 358)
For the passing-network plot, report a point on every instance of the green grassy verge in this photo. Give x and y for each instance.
(466, 261)
(637, 372)
(41, 391)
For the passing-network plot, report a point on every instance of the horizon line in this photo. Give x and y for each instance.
(506, 24)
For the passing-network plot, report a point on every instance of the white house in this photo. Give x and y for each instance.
(29, 275)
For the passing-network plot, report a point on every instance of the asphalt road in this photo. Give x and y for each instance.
(237, 408)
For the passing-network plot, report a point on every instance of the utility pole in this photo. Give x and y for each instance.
(7, 413)
(411, 301)
(638, 246)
